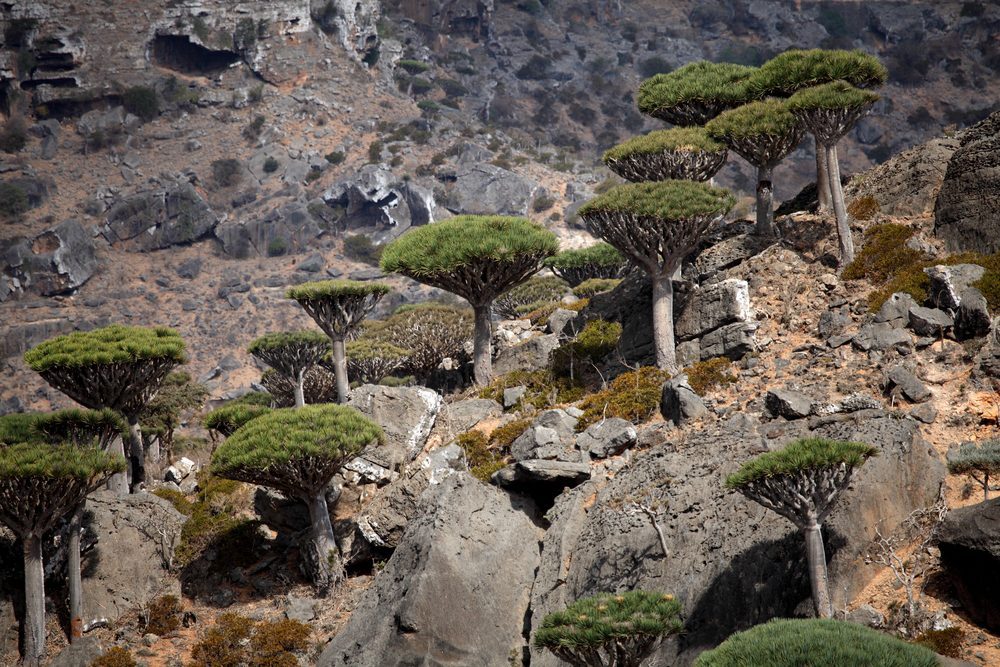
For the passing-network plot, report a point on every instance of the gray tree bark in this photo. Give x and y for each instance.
(339, 372)
(34, 602)
(300, 388)
(822, 179)
(816, 557)
(663, 321)
(765, 202)
(118, 483)
(74, 574)
(136, 456)
(329, 567)
(839, 209)
(482, 355)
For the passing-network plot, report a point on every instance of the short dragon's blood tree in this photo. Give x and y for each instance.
(39, 485)
(830, 111)
(116, 367)
(609, 630)
(318, 386)
(297, 451)
(695, 93)
(801, 483)
(762, 133)
(292, 354)
(655, 225)
(599, 261)
(371, 360)
(429, 332)
(476, 257)
(978, 460)
(682, 153)
(227, 419)
(339, 306)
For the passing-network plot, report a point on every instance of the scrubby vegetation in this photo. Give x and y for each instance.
(704, 376)
(533, 294)
(116, 656)
(238, 640)
(543, 388)
(634, 396)
(596, 341)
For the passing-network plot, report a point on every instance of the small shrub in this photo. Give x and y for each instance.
(863, 208)
(277, 247)
(428, 106)
(141, 101)
(256, 126)
(430, 332)
(530, 295)
(164, 615)
(413, 66)
(634, 396)
(224, 643)
(270, 165)
(115, 656)
(947, 642)
(543, 388)
(256, 93)
(542, 202)
(540, 316)
(177, 499)
(335, 157)
(14, 136)
(704, 376)
(226, 172)
(535, 69)
(420, 86)
(361, 248)
(375, 151)
(483, 461)
(504, 436)
(452, 88)
(589, 288)
(274, 644)
(13, 201)
(597, 340)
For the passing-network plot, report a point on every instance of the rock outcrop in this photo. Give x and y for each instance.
(969, 540)
(172, 214)
(57, 261)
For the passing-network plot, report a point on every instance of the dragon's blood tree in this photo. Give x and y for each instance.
(978, 460)
(39, 485)
(227, 419)
(600, 261)
(476, 257)
(801, 483)
(695, 93)
(830, 111)
(429, 332)
(338, 307)
(609, 630)
(655, 225)
(298, 451)
(116, 367)
(682, 153)
(292, 354)
(371, 360)
(762, 133)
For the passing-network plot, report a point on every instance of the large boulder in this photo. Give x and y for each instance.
(275, 231)
(731, 563)
(57, 261)
(970, 552)
(486, 189)
(965, 215)
(456, 589)
(173, 213)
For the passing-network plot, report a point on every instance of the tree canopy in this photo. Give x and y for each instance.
(371, 360)
(114, 344)
(801, 455)
(228, 418)
(601, 260)
(666, 201)
(338, 306)
(979, 460)
(762, 132)
(795, 69)
(429, 332)
(695, 93)
(685, 153)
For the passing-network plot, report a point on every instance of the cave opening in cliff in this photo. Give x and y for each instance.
(179, 53)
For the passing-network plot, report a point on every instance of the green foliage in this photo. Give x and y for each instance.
(504, 436)
(256, 126)
(429, 332)
(164, 615)
(277, 247)
(13, 201)
(599, 621)
(236, 641)
(226, 171)
(27, 461)
(947, 642)
(542, 202)
(832, 96)
(334, 289)
(178, 395)
(108, 345)
(226, 419)
(671, 201)
(290, 436)
(634, 396)
(543, 388)
(224, 643)
(601, 260)
(177, 499)
(796, 69)
(886, 261)
(710, 374)
(801, 455)
(284, 340)
(597, 340)
(413, 66)
(530, 295)
(361, 248)
(764, 118)
(270, 165)
(319, 385)
(335, 157)
(976, 457)
(592, 286)
(116, 656)
(273, 644)
(14, 135)
(141, 101)
(80, 427)
(482, 460)
(370, 360)
(375, 151)
(795, 642)
(19, 427)
(714, 86)
(465, 242)
(678, 139)
(212, 522)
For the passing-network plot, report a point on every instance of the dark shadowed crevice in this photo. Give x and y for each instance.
(179, 53)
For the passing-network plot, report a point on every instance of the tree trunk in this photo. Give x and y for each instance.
(329, 568)
(822, 180)
(339, 371)
(765, 203)
(74, 574)
(153, 448)
(663, 322)
(136, 456)
(34, 602)
(816, 556)
(118, 483)
(482, 345)
(986, 486)
(300, 388)
(839, 209)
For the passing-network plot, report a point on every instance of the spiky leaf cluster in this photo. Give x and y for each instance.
(338, 306)
(599, 261)
(530, 295)
(228, 418)
(795, 642)
(974, 457)
(655, 224)
(81, 427)
(830, 110)
(801, 455)
(290, 352)
(295, 450)
(40, 483)
(795, 69)
(695, 93)
(18, 427)
(430, 332)
(319, 385)
(369, 360)
(761, 132)
(621, 629)
(476, 257)
(683, 153)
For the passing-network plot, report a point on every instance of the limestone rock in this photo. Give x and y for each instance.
(788, 403)
(965, 212)
(895, 312)
(879, 337)
(973, 317)
(948, 283)
(172, 214)
(713, 306)
(930, 321)
(679, 403)
(531, 355)
(970, 552)
(57, 261)
(486, 189)
(908, 385)
(287, 228)
(607, 438)
(460, 416)
(539, 478)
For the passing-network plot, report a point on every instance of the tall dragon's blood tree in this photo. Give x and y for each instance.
(338, 307)
(298, 451)
(655, 225)
(476, 257)
(39, 485)
(687, 153)
(801, 483)
(292, 354)
(116, 367)
(763, 133)
(830, 111)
